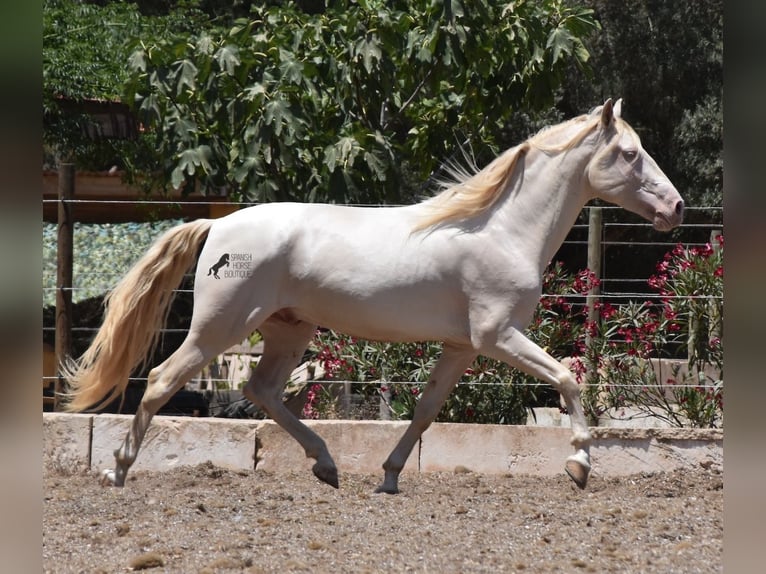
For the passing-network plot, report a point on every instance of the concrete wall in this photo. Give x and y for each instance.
(73, 443)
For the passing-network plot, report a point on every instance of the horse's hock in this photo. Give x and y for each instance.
(74, 443)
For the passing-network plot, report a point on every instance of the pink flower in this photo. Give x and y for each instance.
(670, 314)
(607, 311)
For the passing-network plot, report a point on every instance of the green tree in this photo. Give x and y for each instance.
(85, 53)
(332, 106)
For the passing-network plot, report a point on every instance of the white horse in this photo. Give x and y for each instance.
(463, 267)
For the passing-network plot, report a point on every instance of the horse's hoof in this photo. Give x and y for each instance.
(386, 489)
(326, 474)
(112, 478)
(578, 472)
(108, 478)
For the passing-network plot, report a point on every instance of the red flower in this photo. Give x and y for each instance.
(718, 272)
(607, 310)
(670, 314)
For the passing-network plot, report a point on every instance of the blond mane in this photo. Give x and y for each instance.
(471, 192)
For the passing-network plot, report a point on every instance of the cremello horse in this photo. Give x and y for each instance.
(463, 267)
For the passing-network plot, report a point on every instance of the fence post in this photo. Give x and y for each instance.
(595, 228)
(64, 256)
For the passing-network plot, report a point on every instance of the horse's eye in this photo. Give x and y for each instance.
(629, 154)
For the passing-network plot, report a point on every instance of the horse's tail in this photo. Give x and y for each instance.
(136, 310)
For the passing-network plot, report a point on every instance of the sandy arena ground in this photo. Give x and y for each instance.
(205, 519)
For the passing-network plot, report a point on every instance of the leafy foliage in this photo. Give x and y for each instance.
(330, 106)
(688, 324)
(85, 51)
(365, 97)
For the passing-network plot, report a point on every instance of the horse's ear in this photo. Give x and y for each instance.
(607, 113)
(618, 108)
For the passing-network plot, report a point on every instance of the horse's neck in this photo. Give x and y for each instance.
(542, 203)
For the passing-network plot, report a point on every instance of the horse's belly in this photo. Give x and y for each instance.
(388, 318)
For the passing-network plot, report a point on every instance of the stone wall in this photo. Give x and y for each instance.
(74, 443)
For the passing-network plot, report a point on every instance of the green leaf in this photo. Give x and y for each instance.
(186, 76)
(560, 44)
(228, 59)
(275, 114)
(177, 177)
(369, 50)
(290, 68)
(254, 92)
(137, 61)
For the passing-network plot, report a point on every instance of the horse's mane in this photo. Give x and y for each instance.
(469, 191)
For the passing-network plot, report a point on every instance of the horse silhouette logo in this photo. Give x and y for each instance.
(222, 262)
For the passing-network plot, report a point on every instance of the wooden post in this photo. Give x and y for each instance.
(64, 256)
(595, 228)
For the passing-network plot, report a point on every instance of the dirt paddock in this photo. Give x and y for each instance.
(205, 519)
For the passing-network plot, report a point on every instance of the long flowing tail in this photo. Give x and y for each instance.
(136, 310)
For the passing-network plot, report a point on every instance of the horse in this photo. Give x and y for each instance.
(463, 267)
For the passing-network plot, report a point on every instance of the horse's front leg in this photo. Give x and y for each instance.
(519, 352)
(445, 375)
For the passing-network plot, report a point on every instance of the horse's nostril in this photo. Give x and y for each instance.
(680, 207)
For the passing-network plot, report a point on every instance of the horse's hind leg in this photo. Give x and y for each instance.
(164, 381)
(445, 375)
(284, 343)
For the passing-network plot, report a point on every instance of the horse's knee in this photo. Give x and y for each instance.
(566, 385)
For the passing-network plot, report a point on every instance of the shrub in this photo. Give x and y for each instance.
(619, 366)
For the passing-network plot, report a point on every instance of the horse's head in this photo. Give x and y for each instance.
(621, 172)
